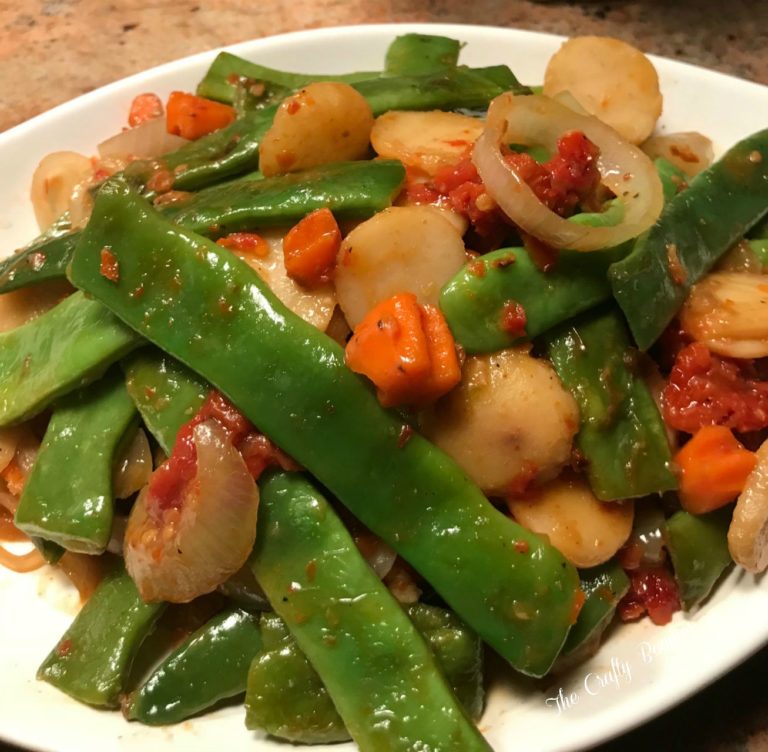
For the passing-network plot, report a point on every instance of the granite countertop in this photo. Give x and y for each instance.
(53, 50)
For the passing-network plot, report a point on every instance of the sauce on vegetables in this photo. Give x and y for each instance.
(705, 389)
(652, 591)
(170, 479)
(565, 181)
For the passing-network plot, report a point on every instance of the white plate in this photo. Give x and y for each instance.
(641, 671)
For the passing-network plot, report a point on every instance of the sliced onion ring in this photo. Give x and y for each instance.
(145, 141)
(624, 169)
(21, 563)
(178, 553)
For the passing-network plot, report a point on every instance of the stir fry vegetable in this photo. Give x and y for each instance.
(418, 304)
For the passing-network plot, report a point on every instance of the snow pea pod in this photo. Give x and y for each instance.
(698, 547)
(622, 436)
(287, 699)
(67, 347)
(604, 587)
(212, 312)
(380, 674)
(697, 227)
(414, 54)
(92, 660)
(68, 496)
(351, 190)
(209, 666)
(165, 393)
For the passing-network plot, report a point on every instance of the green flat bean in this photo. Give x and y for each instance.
(209, 666)
(622, 436)
(698, 548)
(67, 347)
(287, 699)
(291, 381)
(459, 653)
(68, 497)
(377, 669)
(165, 393)
(416, 54)
(43, 260)
(504, 78)
(474, 301)
(351, 190)
(221, 79)
(235, 149)
(92, 660)
(697, 227)
(453, 89)
(604, 587)
(222, 154)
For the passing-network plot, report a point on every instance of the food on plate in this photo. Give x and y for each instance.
(342, 378)
(610, 79)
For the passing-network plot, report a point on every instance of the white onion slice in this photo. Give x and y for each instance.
(624, 168)
(53, 182)
(9, 438)
(145, 141)
(379, 555)
(133, 468)
(748, 533)
(178, 553)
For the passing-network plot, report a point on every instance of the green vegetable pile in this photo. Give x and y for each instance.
(315, 642)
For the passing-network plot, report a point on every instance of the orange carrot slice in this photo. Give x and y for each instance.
(406, 350)
(390, 348)
(714, 467)
(191, 117)
(445, 372)
(311, 247)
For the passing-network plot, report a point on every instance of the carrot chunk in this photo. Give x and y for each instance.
(406, 350)
(310, 248)
(714, 467)
(191, 116)
(445, 372)
(14, 478)
(144, 107)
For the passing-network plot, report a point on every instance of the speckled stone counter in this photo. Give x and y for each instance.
(53, 50)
